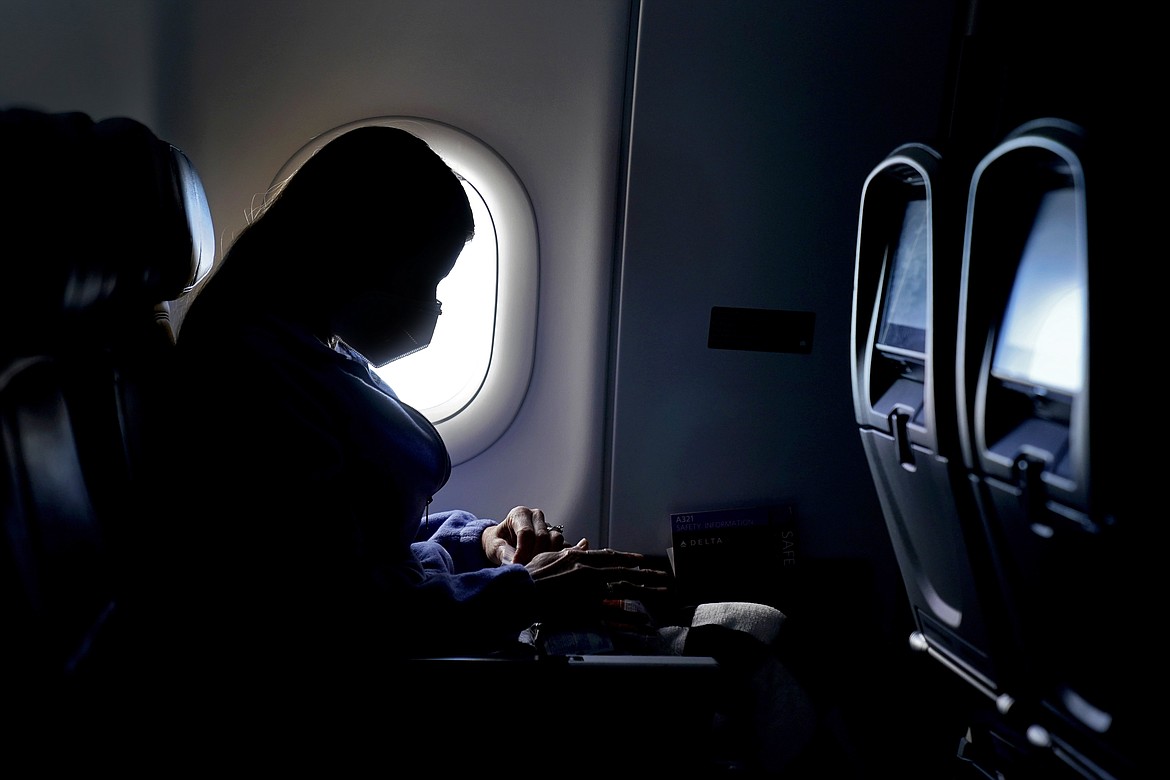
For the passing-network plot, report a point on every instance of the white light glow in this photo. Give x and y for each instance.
(453, 367)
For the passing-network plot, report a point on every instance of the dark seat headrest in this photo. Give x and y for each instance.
(97, 218)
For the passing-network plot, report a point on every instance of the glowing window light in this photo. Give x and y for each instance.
(450, 371)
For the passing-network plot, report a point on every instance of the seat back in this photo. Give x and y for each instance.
(1038, 385)
(1000, 475)
(903, 358)
(104, 225)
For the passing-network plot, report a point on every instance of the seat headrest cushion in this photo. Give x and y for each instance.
(97, 217)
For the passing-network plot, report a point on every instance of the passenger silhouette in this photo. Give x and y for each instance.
(309, 548)
(308, 563)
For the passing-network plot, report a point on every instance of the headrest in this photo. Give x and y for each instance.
(97, 218)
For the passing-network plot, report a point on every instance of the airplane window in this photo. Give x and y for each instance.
(472, 378)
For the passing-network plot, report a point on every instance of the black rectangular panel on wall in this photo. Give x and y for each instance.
(761, 330)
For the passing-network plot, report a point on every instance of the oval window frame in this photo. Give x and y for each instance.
(473, 421)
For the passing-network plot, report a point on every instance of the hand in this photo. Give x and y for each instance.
(576, 580)
(521, 536)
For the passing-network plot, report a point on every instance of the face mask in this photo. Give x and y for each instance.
(384, 327)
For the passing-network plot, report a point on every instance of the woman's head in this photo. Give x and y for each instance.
(375, 211)
(376, 200)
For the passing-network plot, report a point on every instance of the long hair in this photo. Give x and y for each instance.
(366, 200)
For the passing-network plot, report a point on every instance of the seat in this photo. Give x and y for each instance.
(105, 226)
(903, 330)
(1039, 386)
(996, 468)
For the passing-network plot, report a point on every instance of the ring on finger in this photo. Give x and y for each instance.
(560, 529)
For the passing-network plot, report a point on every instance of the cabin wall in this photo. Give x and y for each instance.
(80, 55)
(754, 127)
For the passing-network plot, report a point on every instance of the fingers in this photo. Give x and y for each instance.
(495, 546)
(520, 524)
(623, 576)
(506, 553)
(549, 537)
(532, 533)
(647, 585)
(624, 589)
(608, 557)
(617, 568)
(578, 580)
(647, 578)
